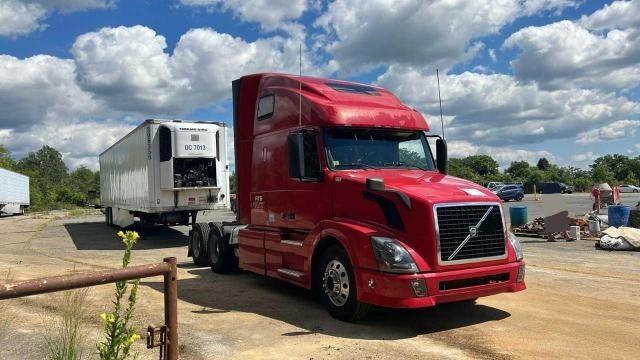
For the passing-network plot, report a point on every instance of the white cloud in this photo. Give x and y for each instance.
(617, 15)
(41, 89)
(129, 69)
(567, 54)
(531, 7)
(587, 157)
(497, 110)
(377, 32)
(613, 131)
(21, 17)
(504, 155)
(365, 34)
(78, 142)
(269, 13)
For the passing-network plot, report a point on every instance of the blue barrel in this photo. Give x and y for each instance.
(518, 215)
(619, 215)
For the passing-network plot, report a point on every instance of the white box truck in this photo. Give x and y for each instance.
(14, 192)
(164, 172)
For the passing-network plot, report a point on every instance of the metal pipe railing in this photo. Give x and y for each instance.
(167, 268)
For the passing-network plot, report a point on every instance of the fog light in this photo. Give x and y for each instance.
(419, 287)
(521, 273)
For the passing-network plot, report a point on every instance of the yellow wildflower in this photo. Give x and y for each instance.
(108, 318)
(120, 234)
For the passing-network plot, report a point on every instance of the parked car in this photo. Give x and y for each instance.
(629, 188)
(494, 184)
(555, 188)
(509, 192)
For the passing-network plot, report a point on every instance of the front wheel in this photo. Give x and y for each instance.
(338, 286)
(519, 197)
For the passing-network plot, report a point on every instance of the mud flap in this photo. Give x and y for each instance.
(189, 250)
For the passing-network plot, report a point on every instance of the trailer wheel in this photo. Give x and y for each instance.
(198, 250)
(221, 256)
(338, 286)
(108, 214)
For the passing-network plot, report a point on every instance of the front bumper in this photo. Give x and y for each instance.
(395, 290)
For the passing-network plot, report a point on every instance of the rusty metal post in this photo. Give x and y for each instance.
(171, 308)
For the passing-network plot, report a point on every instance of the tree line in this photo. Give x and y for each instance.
(613, 169)
(51, 184)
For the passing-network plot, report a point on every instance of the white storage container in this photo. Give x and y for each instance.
(163, 170)
(14, 192)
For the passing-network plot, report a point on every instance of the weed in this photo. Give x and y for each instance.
(120, 335)
(65, 338)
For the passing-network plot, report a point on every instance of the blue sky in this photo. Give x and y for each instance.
(520, 79)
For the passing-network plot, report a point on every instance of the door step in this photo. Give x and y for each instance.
(292, 242)
(291, 273)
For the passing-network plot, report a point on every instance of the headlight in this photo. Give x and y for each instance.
(515, 243)
(391, 256)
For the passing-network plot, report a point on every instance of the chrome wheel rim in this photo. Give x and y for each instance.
(336, 282)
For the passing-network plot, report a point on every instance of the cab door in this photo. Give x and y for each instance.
(308, 195)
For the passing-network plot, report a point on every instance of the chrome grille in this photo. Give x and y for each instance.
(455, 223)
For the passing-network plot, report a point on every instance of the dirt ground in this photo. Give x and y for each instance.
(581, 303)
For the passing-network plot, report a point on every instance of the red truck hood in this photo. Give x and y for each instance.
(431, 187)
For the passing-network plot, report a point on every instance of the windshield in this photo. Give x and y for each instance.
(376, 149)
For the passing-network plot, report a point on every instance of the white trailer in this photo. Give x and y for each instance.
(14, 192)
(164, 172)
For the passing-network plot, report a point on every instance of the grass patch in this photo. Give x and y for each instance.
(65, 338)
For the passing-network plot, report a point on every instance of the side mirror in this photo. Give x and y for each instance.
(375, 184)
(441, 155)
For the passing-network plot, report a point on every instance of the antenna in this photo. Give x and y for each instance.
(300, 90)
(440, 100)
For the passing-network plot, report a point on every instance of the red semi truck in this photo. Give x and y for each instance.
(339, 192)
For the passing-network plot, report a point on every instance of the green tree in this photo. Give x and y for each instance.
(601, 173)
(6, 162)
(233, 183)
(483, 165)
(519, 170)
(458, 168)
(47, 163)
(543, 164)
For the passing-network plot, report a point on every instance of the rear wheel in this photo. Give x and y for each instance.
(108, 216)
(220, 253)
(198, 250)
(519, 197)
(338, 286)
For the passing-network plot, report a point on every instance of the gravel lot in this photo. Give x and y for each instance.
(580, 303)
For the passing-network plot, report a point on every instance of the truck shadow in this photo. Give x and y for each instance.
(251, 293)
(97, 236)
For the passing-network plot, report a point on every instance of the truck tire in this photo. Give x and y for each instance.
(338, 289)
(197, 243)
(221, 256)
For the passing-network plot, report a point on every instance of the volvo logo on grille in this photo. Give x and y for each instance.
(473, 231)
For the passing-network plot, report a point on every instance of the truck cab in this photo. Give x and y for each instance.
(339, 192)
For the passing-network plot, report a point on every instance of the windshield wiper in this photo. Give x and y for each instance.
(358, 164)
(402, 164)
